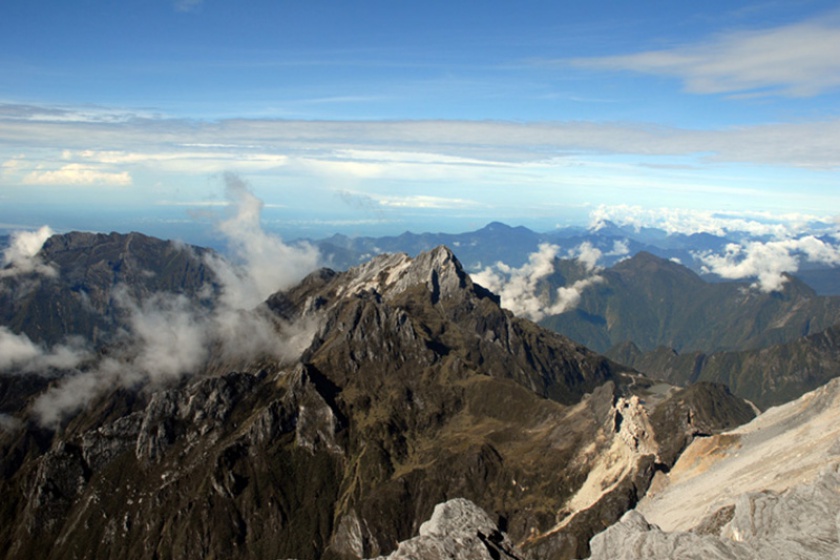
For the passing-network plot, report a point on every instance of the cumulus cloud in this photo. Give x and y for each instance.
(261, 263)
(793, 60)
(769, 261)
(21, 256)
(621, 248)
(168, 336)
(587, 254)
(521, 289)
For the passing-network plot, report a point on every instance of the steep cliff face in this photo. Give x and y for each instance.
(416, 388)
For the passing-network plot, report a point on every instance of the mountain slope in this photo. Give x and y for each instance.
(768, 377)
(78, 300)
(654, 302)
(770, 489)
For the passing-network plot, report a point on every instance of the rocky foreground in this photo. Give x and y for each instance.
(767, 490)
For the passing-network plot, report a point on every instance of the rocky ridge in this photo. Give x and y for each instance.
(767, 377)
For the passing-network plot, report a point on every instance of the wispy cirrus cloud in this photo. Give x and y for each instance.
(367, 148)
(797, 60)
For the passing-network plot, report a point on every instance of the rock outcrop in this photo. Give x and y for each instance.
(769, 489)
(457, 529)
(801, 522)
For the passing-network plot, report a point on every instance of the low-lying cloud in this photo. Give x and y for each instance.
(768, 262)
(21, 256)
(19, 353)
(522, 290)
(168, 336)
(260, 263)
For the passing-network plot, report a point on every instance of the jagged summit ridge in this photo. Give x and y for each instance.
(391, 274)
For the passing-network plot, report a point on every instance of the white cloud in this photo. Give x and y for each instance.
(568, 297)
(795, 60)
(519, 288)
(169, 336)
(19, 353)
(77, 174)
(402, 148)
(264, 264)
(587, 254)
(424, 201)
(767, 262)
(21, 256)
(689, 221)
(188, 5)
(621, 247)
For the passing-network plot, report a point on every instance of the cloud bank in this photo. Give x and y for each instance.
(522, 290)
(375, 149)
(690, 221)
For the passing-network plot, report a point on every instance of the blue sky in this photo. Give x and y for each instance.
(377, 117)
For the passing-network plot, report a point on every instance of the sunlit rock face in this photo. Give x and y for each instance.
(769, 489)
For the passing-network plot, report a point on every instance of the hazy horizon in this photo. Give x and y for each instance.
(378, 118)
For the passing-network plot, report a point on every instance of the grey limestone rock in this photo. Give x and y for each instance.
(802, 522)
(457, 529)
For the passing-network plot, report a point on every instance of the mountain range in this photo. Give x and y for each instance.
(498, 242)
(395, 408)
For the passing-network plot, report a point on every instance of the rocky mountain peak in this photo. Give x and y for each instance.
(392, 274)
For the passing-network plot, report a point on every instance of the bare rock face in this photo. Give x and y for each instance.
(457, 529)
(767, 489)
(802, 522)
